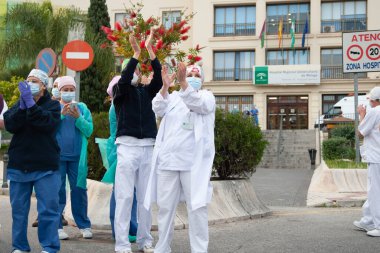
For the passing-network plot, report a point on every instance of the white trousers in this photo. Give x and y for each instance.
(169, 185)
(371, 208)
(132, 170)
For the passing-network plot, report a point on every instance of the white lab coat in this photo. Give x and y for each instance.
(202, 105)
(5, 108)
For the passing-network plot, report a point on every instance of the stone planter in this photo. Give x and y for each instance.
(232, 200)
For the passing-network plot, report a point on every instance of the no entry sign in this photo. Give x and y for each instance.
(46, 60)
(77, 55)
(361, 52)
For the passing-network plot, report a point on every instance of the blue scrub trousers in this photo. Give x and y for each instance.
(46, 189)
(78, 195)
(133, 223)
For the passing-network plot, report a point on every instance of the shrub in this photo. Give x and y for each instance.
(337, 148)
(101, 130)
(10, 91)
(239, 145)
(345, 131)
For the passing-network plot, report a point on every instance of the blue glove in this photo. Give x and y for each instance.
(26, 94)
(22, 104)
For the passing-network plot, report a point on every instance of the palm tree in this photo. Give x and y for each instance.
(32, 27)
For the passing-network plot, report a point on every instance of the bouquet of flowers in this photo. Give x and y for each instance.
(164, 39)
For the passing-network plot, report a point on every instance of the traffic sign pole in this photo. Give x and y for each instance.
(357, 158)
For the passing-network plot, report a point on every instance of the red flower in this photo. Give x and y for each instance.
(185, 30)
(197, 47)
(111, 37)
(143, 67)
(190, 57)
(118, 26)
(150, 68)
(183, 22)
(106, 29)
(131, 23)
(150, 20)
(133, 14)
(104, 45)
(154, 49)
(147, 32)
(142, 44)
(161, 31)
(184, 37)
(197, 58)
(159, 44)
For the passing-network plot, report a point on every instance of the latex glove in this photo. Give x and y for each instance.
(26, 94)
(22, 104)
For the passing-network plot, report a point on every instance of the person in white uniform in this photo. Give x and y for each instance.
(369, 128)
(183, 156)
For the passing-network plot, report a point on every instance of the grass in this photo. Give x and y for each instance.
(340, 164)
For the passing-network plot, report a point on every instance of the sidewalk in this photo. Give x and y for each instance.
(337, 187)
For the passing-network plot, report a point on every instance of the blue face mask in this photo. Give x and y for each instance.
(34, 88)
(56, 93)
(195, 82)
(67, 96)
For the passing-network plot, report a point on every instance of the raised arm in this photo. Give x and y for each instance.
(161, 101)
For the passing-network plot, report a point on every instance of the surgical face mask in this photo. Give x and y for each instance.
(135, 79)
(195, 82)
(56, 93)
(67, 96)
(34, 88)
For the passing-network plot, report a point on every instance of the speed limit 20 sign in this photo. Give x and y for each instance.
(361, 52)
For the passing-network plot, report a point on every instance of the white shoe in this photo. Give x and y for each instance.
(147, 249)
(124, 251)
(87, 234)
(363, 227)
(19, 251)
(374, 233)
(62, 234)
(44, 251)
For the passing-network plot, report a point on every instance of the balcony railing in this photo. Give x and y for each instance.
(336, 72)
(272, 27)
(232, 74)
(344, 25)
(237, 29)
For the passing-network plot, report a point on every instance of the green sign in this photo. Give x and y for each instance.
(261, 75)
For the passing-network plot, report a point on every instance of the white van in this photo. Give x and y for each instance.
(344, 107)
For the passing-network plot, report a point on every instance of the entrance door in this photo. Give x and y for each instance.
(287, 112)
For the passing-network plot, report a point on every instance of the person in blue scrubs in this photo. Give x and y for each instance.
(34, 162)
(76, 127)
(109, 176)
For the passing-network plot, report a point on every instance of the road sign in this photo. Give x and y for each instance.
(77, 55)
(361, 52)
(46, 61)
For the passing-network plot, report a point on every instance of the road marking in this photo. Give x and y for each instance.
(78, 55)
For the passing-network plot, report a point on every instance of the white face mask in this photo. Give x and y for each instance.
(195, 82)
(56, 93)
(135, 80)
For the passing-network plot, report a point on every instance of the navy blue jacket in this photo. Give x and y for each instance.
(34, 146)
(133, 105)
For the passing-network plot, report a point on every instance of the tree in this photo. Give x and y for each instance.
(32, 27)
(95, 79)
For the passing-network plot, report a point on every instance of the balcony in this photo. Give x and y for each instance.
(240, 29)
(344, 25)
(241, 74)
(336, 72)
(272, 27)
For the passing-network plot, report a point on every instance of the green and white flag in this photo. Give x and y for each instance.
(292, 34)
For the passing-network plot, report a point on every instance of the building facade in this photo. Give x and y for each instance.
(230, 30)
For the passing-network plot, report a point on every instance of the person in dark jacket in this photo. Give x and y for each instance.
(135, 137)
(34, 162)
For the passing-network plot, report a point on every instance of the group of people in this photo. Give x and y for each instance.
(147, 164)
(369, 129)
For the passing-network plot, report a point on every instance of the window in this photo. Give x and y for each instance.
(332, 65)
(328, 101)
(344, 16)
(233, 65)
(121, 17)
(234, 103)
(287, 57)
(170, 17)
(287, 12)
(235, 21)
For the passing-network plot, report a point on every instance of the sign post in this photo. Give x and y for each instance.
(361, 53)
(46, 61)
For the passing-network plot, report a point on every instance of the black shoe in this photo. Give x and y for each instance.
(64, 222)
(35, 223)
